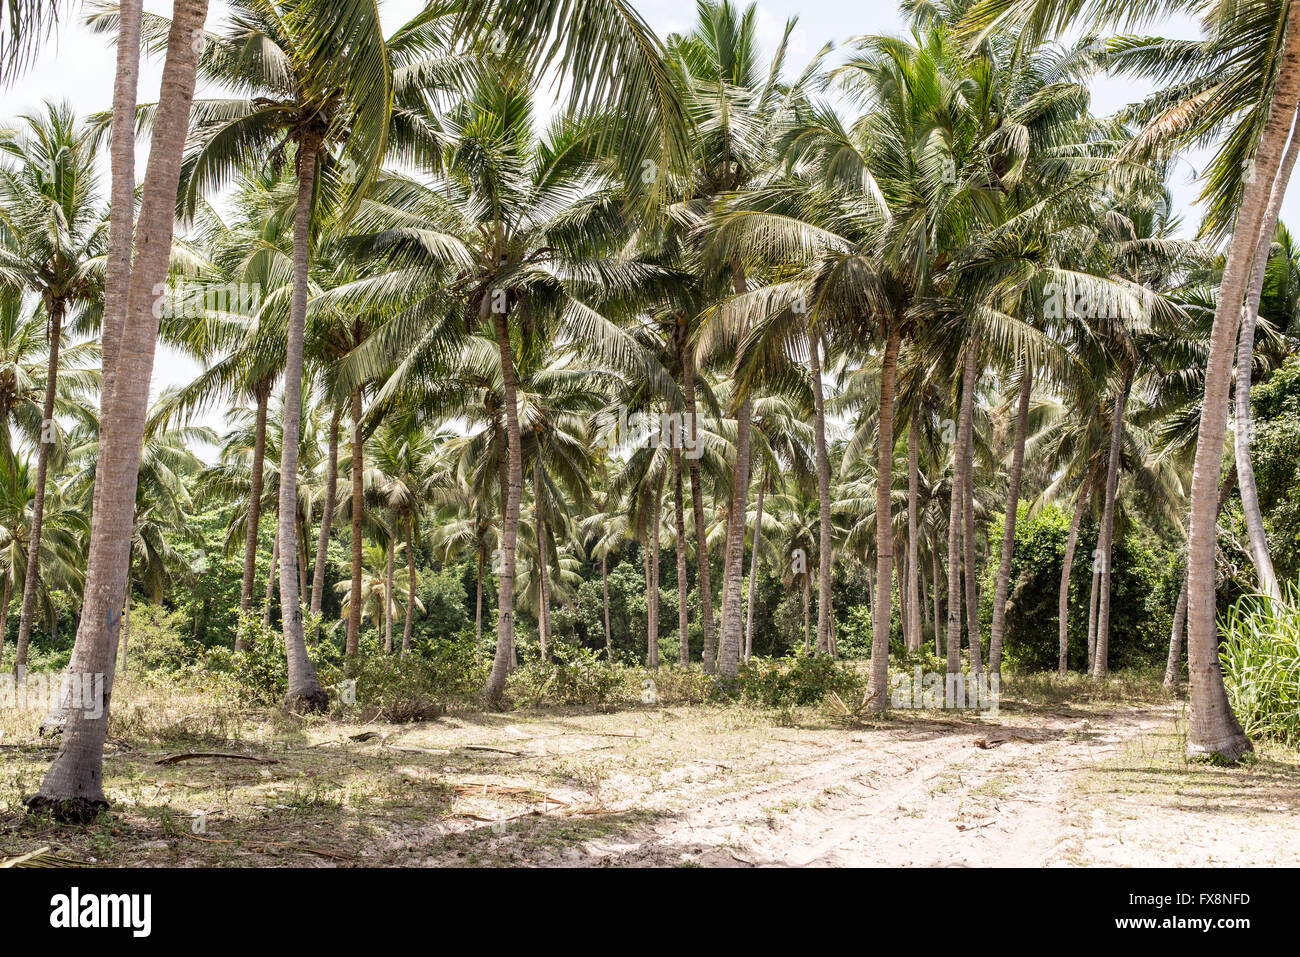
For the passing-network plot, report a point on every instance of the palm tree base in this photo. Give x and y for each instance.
(312, 698)
(1229, 750)
(76, 810)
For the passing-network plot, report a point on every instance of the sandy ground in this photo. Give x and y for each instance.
(690, 786)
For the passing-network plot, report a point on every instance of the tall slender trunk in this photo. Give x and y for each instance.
(753, 566)
(733, 566)
(478, 608)
(900, 571)
(1092, 610)
(998, 624)
(604, 588)
(1100, 665)
(913, 533)
(683, 593)
(651, 626)
(30, 582)
(1180, 608)
(263, 392)
(270, 582)
(409, 623)
(936, 574)
(824, 580)
(543, 583)
(353, 645)
(388, 594)
(877, 692)
(4, 610)
(1259, 552)
(304, 691)
(72, 789)
(304, 532)
(807, 623)
(1213, 728)
(510, 519)
(327, 512)
(126, 629)
(710, 651)
(1063, 598)
(956, 508)
(654, 568)
(968, 539)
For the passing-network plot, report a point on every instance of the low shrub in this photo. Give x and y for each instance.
(572, 676)
(1261, 665)
(799, 680)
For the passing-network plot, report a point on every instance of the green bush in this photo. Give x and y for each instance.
(572, 676)
(416, 687)
(1261, 665)
(798, 680)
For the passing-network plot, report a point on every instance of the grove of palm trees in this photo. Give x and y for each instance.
(503, 432)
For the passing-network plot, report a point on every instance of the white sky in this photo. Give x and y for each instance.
(78, 67)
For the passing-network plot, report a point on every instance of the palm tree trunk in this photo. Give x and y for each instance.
(956, 507)
(654, 569)
(388, 595)
(126, 629)
(900, 571)
(410, 583)
(38, 499)
(270, 582)
(353, 646)
(73, 787)
(1259, 552)
(543, 585)
(753, 566)
(304, 531)
(1213, 728)
(304, 691)
(1100, 665)
(879, 676)
(510, 519)
(1092, 610)
(4, 611)
(478, 608)
(121, 217)
(729, 641)
(1180, 609)
(1063, 598)
(604, 588)
(968, 539)
(710, 651)
(683, 593)
(936, 573)
(263, 392)
(913, 534)
(807, 622)
(824, 580)
(327, 513)
(1009, 522)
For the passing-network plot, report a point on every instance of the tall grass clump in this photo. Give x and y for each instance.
(1261, 664)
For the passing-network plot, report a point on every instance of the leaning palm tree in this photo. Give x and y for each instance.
(53, 232)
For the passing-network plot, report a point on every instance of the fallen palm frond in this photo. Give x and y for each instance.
(43, 857)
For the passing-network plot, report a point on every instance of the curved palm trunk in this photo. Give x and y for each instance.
(683, 594)
(304, 691)
(879, 676)
(956, 507)
(998, 624)
(388, 595)
(1259, 552)
(1180, 609)
(327, 514)
(824, 580)
(353, 646)
(410, 583)
(710, 650)
(263, 392)
(913, 535)
(1063, 598)
(510, 519)
(73, 788)
(1100, 665)
(1213, 728)
(753, 566)
(38, 499)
